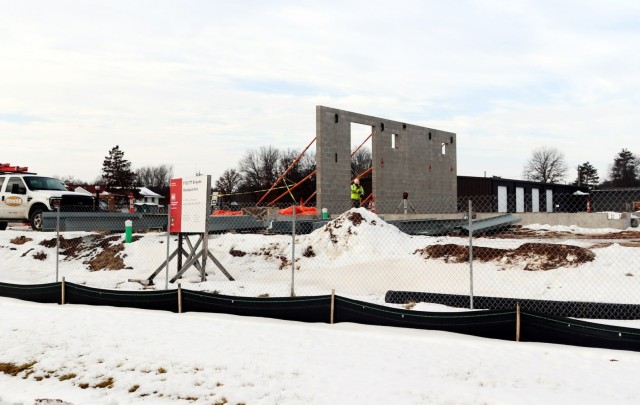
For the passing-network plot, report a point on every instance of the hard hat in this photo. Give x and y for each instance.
(356, 181)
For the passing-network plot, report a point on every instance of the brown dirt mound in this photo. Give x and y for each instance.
(109, 255)
(20, 240)
(535, 256)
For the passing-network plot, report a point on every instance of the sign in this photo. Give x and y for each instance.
(189, 204)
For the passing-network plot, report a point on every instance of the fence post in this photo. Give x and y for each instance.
(179, 298)
(166, 273)
(57, 240)
(518, 322)
(333, 301)
(470, 257)
(293, 251)
(62, 298)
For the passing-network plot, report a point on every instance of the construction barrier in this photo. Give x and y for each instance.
(506, 324)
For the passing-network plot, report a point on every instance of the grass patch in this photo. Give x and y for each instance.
(67, 376)
(134, 388)
(106, 383)
(162, 370)
(84, 386)
(20, 240)
(14, 369)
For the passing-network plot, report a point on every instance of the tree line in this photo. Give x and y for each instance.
(548, 165)
(260, 168)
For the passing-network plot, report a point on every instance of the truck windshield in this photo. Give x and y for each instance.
(44, 183)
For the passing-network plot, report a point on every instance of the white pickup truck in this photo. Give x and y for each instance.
(25, 196)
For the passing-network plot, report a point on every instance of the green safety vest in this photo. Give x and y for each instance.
(356, 192)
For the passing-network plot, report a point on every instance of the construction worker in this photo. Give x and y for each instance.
(357, 192)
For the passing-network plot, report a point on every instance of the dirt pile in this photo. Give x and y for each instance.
(98, 251)
(534, 256)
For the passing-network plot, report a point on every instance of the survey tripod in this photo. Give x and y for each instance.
(405, 204)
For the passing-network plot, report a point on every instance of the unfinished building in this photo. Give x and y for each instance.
(406, 158)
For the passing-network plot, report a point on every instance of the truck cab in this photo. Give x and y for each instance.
(24, 196)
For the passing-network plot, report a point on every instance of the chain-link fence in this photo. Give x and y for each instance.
(559, 248)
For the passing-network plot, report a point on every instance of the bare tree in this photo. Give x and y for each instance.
(154, 177)
(260, 167)
(546, 165)
(360, 161)
(229, 181)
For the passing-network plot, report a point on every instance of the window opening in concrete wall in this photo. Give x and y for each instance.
(361, 138)
(394, 141)
(429, 135)
(444, 148)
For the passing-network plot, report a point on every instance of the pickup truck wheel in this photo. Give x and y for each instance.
(3, 226)
(36, 219)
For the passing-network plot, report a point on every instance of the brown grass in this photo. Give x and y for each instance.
(105, 383)
(134, 388)
(67, 376)
(14, 369)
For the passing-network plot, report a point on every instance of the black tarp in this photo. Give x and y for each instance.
(166, 300)
(304, 309)
(569, 309)
(490, 324)
(50, 293)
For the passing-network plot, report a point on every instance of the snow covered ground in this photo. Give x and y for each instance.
(75, 354)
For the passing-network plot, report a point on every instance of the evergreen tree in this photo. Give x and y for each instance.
(625, 171)
(587, 176)
(116, 171)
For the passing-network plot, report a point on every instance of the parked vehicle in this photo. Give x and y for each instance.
(24, 196)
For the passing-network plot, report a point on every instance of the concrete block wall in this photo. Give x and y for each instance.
(416, 164)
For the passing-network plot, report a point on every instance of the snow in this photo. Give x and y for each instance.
(215, 358)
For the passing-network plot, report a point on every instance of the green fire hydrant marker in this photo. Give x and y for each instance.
(128, 229)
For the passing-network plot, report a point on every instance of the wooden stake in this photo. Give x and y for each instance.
(333, 300)
(517, 322)
(62, 303)
(179, 298)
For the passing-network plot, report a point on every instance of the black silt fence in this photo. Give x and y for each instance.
(166, 300)
(536, 327)
(489, 324)
(303, 309)
(496, 324)
(44, 293)
(569, 309)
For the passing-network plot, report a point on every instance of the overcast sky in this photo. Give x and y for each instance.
(196, 84)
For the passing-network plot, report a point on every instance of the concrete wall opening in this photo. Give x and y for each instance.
(361, 148)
